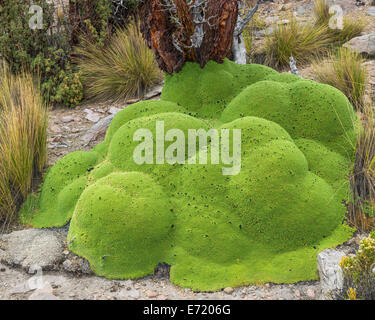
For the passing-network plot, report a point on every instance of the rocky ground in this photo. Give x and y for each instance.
(35, 264)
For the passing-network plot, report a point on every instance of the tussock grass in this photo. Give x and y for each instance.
(352, 26)
(126, 68)
(344, 70)
(301, 41)
(362, 205)
(23, 139)
(321, 12)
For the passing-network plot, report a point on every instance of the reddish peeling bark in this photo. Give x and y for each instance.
(162, 33)
(186, 30)
(157, 29)
(217, 43)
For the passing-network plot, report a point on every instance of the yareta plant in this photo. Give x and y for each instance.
(265, 224)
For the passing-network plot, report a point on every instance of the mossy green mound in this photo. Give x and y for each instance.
(265, 224)
(133, 234)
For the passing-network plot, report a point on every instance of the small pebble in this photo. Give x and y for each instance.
(228, 290)
(310, 293)
(151, 294)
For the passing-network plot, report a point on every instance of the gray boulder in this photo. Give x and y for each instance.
(33, 247)
(363, 44)
(330, 273)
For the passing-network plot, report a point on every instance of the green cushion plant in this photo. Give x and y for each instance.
(265, 224)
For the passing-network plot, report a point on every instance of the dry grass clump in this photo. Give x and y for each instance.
(302, 41)
(344, 70)
(321, 12)
(362, 180)
(295, 39)
(351, 26)
(23, 139)
(125, 68)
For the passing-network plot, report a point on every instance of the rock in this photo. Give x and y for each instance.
(371, 11)
(310, 293)
(126, 294)
(331, 275)
(67, 119)
(303, 9)
(151, 294)
(228, 290)
(85, 266)
(55, 128)
(132, 101)
(134, 294)
(77, 266)
(56, 138)
(297, 293)
(68, 265)
(363, 44)
(92, 116)
(44, 293)
(97, 129)
(54, 145)
(114, 110)
(154, 92)
(33, 247)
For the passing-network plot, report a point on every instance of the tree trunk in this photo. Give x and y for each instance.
(196, 30)
(157, 29)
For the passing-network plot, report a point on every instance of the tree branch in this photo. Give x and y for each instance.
(243, 21)
(293, 66)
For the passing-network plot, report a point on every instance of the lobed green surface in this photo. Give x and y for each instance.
(265, 224)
